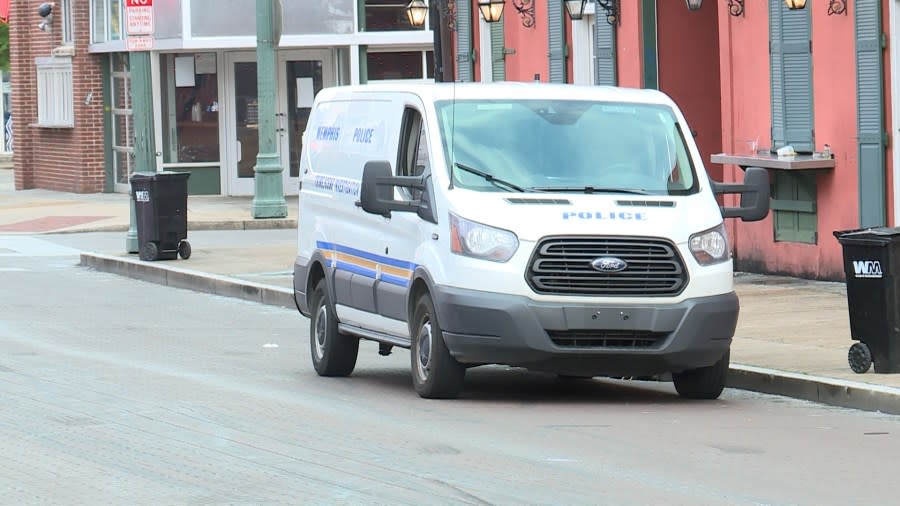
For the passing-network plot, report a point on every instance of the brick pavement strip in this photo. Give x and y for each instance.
(811, 387)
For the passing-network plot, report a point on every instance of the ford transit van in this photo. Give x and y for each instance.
(557, 228)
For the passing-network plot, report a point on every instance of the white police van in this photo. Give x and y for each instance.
(557, 228)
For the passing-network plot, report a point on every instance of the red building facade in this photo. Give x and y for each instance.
(750, 76)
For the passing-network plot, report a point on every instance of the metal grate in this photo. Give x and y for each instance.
(606, 338)
(562, 266)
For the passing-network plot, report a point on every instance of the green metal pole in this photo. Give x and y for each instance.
(142, 121)
(268, 199)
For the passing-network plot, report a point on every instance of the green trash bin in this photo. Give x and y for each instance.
(872, 271)
(160, 205)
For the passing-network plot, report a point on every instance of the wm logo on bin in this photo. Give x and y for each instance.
(142, 196)
(867, 269)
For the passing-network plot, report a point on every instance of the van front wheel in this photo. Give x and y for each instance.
(333, 353)
(703, 382)
(436, 374)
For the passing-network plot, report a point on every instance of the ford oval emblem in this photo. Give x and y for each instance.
(609, 264)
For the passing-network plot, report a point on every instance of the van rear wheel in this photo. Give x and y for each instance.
(333, 353)
(704, 382)
(436, 374)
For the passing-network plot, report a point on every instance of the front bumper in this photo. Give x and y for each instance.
(644, 339)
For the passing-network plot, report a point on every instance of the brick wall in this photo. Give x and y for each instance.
(61, 159)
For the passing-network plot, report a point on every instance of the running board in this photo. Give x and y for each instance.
(375, 336)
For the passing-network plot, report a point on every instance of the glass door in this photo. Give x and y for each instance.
(301, 74)
(304, 74)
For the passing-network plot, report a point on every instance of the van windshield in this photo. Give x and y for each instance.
(565, 145)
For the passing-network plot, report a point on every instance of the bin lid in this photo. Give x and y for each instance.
(166, 174)
(871, 234)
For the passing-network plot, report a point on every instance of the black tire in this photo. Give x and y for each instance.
(703, 382)
(184, 250)
(149, 251)
(333, 353)
(436, 374)
(860, 358)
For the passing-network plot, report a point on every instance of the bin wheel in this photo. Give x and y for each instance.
(150, 251)
(860, 358)
(184, 250)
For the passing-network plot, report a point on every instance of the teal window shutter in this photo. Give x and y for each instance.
(464, 40)
(604, 52)
(870, 114)
(794, 207)
(498, 52)
(790, 60)
(557, 42)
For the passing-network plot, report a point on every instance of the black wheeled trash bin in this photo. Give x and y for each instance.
(160, 206)
(872, 270)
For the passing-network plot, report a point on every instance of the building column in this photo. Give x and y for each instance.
(141, 78)
(268, 195)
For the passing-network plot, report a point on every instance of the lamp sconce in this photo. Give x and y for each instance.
(795, 4)
(45, 11)
(417, 11)
(837, 7)
(525, 8)
(736, 7)
(694, 5)
(612, 10)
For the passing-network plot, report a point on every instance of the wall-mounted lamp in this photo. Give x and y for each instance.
(575, 8)
(612, 10)
(795, 4)
(491, 10)
(694, 4)
(45, 11)
(837, 7)
(416, 11)
(736, 7)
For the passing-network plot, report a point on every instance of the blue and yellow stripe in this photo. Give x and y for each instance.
(382, 268)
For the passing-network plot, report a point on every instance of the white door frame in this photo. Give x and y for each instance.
(895, 107)
(583, 47)
(233, 185)
(486, 53)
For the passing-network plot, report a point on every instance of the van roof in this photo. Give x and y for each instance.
(507, 89)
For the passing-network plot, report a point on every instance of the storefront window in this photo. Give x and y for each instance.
(190, 96)
(387, 16)
(106, 20)
(400, 65)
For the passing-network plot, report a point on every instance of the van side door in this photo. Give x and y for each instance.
(408, 230)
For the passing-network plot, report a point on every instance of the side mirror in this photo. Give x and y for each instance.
(376, 194)
(754, 195)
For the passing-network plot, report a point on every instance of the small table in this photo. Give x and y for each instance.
(767, 160)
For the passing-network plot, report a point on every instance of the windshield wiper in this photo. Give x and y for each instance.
(589, 189)
(491, 179)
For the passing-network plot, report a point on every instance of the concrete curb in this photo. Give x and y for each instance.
(830, 391)
(159, 273)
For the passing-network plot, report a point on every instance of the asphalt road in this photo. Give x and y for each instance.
(116, 391)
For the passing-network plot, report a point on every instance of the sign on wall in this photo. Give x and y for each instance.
(139, 24)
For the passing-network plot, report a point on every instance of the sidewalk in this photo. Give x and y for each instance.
(792, 336)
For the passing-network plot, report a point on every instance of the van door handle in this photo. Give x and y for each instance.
(240, 150)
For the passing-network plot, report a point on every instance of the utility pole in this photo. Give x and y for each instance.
(268, 195)
(144, 138)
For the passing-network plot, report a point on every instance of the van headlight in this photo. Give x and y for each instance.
(481, 241)
(711, 247)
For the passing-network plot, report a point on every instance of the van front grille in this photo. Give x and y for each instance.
(607, 338)
(563, 266)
